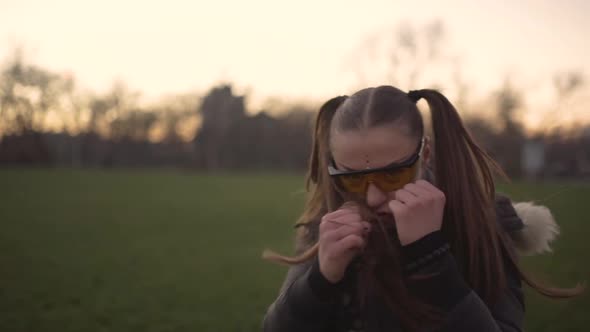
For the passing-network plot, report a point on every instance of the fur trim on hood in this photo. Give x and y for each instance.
(531, 227)
(539, 230)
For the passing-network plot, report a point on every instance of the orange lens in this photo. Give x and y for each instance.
(354, 183)
(394, 180)
(384, 180)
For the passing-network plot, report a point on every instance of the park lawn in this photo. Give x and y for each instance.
(139, 250)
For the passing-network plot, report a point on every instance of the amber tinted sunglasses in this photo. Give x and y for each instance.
(388, 178)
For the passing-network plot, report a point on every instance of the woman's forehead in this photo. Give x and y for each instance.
(371, 148)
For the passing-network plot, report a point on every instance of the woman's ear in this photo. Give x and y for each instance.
(425, 166)
(426, 151)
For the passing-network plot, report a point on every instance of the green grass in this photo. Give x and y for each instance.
(171, 251)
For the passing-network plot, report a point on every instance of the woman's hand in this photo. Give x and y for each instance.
(342, 236)
(418, 210)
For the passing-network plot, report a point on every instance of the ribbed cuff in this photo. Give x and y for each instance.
(422, 247)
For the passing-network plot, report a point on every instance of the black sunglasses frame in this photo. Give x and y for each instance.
(334, 172)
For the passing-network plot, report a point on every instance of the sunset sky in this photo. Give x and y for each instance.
(295, 49)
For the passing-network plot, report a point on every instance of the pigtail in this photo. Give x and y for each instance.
(307, 245)
(464, 172)
(321, 135)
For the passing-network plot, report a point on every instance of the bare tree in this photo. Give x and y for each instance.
(401, 56)
(566, 84)
(27, 93)
(508, 144)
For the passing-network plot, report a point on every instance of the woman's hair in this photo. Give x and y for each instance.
(463, 171)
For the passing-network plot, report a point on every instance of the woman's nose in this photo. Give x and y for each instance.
(375, 196)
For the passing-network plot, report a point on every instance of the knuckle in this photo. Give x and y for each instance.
(356, 228)
(408, 186)
(393, 206)
(351, 217)
(360, 231)
(425, 183)
(440, 196)
(352, 241)
(359, 241)
(329, 236)
(358, 219)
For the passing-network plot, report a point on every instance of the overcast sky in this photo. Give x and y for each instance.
(295, 49)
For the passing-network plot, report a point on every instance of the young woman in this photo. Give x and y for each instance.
(401, 233)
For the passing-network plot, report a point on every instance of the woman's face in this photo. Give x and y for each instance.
(373, 148)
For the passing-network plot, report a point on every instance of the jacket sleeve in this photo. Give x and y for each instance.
(465, 310)
(306, 302)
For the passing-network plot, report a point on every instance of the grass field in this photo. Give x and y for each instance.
(172, 251)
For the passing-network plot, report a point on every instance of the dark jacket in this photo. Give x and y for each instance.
(308, 302)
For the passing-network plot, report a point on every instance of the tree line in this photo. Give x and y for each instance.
(45, 119)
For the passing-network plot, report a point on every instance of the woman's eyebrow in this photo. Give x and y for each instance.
(397, 162)
(344, 167)
(400, 160)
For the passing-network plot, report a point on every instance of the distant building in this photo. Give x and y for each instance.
(533, 158)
